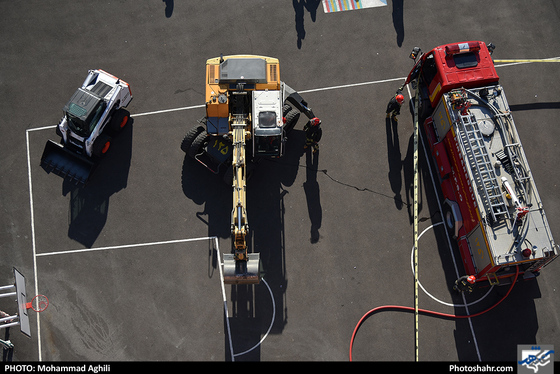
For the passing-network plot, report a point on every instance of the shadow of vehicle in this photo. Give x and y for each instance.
(255, 309)
(89, 204)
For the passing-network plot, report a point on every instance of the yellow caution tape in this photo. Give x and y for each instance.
(415, 215)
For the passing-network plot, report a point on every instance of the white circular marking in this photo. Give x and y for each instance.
(430, 295)
(269, 327)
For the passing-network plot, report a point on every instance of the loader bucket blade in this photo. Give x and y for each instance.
(66, 164)
(242, 272)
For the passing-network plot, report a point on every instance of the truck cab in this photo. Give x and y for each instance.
(450, 66)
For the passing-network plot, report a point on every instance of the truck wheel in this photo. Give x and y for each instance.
(198, 144)
(101, 145)
(120, 119)
(189, 137)
(452, 218)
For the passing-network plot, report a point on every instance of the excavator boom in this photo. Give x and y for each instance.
(240, 267)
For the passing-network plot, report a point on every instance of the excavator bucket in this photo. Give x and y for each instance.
(243, 271)
(66, 164)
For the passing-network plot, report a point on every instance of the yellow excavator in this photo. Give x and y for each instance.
(249, 112)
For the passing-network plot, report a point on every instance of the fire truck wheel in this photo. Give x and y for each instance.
(449, 220)
(189, 137)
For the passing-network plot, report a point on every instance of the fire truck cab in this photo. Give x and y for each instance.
(491, 203)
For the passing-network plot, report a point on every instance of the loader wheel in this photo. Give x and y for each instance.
(101, 145)
(197, 144)
(189, 138)
(120, 119)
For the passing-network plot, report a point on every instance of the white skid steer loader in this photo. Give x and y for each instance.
(94, 110)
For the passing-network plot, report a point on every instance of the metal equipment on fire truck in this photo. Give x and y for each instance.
(491, 204)
(93, 114)
(249, 112)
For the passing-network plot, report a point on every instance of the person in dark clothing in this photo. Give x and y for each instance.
(465, 283)
(313, 133)
(394, 106)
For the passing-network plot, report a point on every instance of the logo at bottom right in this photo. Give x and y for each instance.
(534, 359)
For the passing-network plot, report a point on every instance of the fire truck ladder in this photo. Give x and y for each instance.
(479, 160)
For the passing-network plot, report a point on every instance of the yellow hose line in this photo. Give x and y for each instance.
(554, 59)
(415, 214)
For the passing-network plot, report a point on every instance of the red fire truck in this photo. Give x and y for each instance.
(491, 204)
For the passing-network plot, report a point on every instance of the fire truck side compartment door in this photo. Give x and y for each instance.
(479, 248)
(440, 154)
(442, 122)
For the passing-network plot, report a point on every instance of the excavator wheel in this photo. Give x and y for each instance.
(189, 138)
(197, 144)
(291, 119)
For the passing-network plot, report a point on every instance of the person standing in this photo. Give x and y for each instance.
(394, 106)
(313, 134)
(465, 283)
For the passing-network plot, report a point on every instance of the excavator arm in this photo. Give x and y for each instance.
(240, 267)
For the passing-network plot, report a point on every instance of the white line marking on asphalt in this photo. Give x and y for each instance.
(147, 244)
(33, 245)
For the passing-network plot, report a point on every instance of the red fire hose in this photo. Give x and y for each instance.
(424, 311)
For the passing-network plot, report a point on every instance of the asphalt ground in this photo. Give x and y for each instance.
(130, 263)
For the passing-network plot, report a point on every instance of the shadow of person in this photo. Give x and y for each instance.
(312, 194)
(398, 20)
(168, 8)
(300, 6)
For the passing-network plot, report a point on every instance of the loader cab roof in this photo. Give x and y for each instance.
(83, 111)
